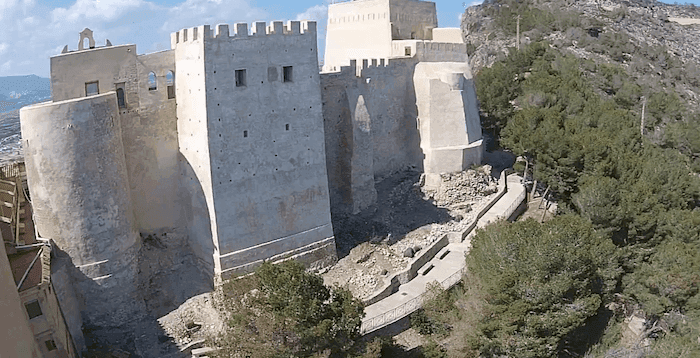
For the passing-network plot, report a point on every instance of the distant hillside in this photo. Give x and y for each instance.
(19, 91)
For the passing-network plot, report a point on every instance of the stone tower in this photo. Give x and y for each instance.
(250, 130)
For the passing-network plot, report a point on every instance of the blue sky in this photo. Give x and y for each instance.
(34, 30)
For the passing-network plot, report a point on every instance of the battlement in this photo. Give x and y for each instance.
(242, 31)
(368, 67)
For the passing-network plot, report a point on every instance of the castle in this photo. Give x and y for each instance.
(234, 140)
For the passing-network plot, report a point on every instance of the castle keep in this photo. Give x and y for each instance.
(234, 141)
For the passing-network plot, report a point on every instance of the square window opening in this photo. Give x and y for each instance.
(240, 78)
(407, 50)
(288, 74)
(33, 309)
(50, 345)
(92, 88)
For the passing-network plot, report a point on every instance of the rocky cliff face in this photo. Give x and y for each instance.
(489, 27)
(654, 47)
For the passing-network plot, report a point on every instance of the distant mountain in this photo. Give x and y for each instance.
(19, 91)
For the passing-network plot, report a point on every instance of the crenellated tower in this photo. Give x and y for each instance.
(250, 130)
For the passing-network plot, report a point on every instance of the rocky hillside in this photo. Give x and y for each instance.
(490, 28)
(636, 48)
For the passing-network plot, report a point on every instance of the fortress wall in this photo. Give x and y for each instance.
(448, 35)
(149, 131)
(266, 143)
(371, 130)
(392, 105)
(448, 115)
(357, 29)
(339, 140)
(107, 65)
(429, 51)
(412, 19)
(195, 168)
(148, 122)
(80, 196)
(349, 144)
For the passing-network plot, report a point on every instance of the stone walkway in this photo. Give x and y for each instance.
(447, 267)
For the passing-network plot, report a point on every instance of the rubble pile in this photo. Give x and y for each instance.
(370, 265)
(457, 190)
(194, 321)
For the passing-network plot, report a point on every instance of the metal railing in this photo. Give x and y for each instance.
(408, 307)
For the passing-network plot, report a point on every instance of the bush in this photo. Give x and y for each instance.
(284, 310)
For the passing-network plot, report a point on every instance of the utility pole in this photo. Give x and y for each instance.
(644, 105)
(517, 33)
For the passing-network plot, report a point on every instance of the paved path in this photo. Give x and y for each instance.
(447, 269)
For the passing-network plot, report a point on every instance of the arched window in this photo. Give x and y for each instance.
(170, 81)
(121, 100)
(152, 84)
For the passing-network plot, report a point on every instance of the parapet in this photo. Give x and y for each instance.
(241, 30)
(368, 67)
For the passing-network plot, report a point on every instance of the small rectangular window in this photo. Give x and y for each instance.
(286, 126)
(407, 51)
(121, 95)
(170, 80)
(91, 88)
(287, 71)
(33, 309)
(240, 78)
(245, 134)
(171, 92)
(50, 345)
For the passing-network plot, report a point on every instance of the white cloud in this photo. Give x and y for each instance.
(103, 10)
(315, 13)
(34, 31)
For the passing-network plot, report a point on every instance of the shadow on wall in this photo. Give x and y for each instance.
(371, 131)
(170, 267)
(121, 318)
(113, 320)
(197, 216)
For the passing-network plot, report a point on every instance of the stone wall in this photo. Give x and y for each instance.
(195, 167)
(370, 120)
(16, 339)
(148, 122)
(357, 29)
(412, 19)
(263, 134)
(80, 197)
(149, 132)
